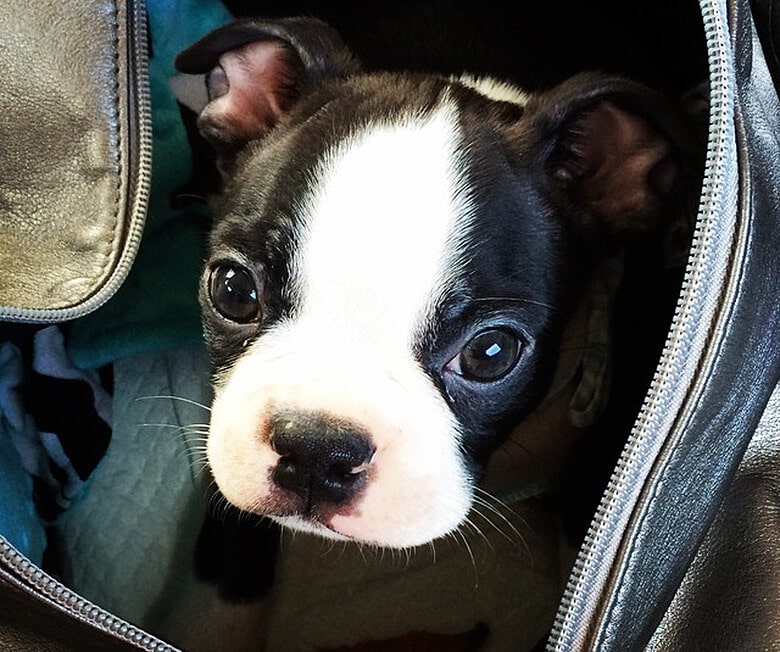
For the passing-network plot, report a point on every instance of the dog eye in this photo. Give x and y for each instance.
(233, 292)
(487, 356)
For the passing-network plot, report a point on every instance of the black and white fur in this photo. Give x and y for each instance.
(393, 263)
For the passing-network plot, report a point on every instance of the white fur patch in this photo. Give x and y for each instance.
(386, 225)
(494, 89)
(383, 229)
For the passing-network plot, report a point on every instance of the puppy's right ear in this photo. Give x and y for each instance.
(256, 70)
(620, 156)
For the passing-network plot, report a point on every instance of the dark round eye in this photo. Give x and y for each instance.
(233, 292)
(487, 356)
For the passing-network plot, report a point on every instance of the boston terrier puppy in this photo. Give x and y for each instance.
(394, 260)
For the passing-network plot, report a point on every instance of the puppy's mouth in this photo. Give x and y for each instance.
(311, 523)
(311, 500)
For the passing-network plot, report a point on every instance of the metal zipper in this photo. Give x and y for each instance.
(72, 603)
(579, 610)
(138, 155)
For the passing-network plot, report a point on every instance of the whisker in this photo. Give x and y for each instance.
(517, 539)
(194, 428)
(195, 438)
(532, 302)
(332, 543)
(214, 504)
(362, 551)
(470, 554)
(467, 522)
(522, 447)
(485, 498)
(187, 195)
(432, 548)
(250, 518)
(174, 398)
(495, 506)
(345, 546)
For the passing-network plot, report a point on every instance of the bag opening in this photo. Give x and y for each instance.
(128, 540)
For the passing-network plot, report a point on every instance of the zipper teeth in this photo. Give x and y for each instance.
(140, 146)
(74, 604)
(570, 628)
(140, 99)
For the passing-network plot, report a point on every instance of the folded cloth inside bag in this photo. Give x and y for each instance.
(54, 428)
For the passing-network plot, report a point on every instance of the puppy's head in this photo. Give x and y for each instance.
(391, 269)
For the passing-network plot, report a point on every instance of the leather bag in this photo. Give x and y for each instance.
(682, 552)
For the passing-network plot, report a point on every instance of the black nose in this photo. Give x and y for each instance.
(322, 459)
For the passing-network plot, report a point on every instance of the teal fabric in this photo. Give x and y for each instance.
(156, 308)
(20, 525)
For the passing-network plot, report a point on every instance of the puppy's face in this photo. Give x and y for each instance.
(391, 270)
(378, 311)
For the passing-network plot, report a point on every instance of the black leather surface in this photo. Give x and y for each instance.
(729, 598)
(745, 369)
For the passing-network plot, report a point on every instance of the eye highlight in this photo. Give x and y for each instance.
(233, 292)
(488, 356)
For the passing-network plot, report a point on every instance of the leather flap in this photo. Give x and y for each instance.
(74, 153)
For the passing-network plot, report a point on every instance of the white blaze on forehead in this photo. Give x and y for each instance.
(382, 228)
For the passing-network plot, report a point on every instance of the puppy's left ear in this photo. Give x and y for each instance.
(616, 152)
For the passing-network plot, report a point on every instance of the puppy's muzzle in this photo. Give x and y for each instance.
(322, 460)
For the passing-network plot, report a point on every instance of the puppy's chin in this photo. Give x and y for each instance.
(347, 529)
(351, 532)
